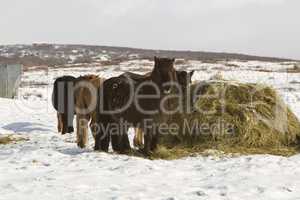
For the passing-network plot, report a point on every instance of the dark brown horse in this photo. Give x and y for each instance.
(63, 103)
(184, 79)
(133, 100)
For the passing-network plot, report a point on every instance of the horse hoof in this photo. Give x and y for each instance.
(70, 130)
(97, 148)
(80, 145)
(146, 153)
(127, 151)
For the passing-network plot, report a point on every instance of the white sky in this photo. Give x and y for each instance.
(260, 27)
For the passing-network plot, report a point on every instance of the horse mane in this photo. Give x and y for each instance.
(86, 77)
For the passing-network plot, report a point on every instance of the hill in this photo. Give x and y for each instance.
(58, 55)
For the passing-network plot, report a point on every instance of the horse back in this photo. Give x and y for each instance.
(65, 86)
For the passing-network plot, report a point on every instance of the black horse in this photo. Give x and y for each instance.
(63, 103)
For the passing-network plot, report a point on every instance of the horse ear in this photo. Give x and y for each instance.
(192, 73)
(173, 59)
(155, 58)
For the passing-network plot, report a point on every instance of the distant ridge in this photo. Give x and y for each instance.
(195, 55)
(46, 54)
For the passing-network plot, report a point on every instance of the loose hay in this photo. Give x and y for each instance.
(9, 139)
(235, 118)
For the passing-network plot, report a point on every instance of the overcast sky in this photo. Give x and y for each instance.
(259, 27)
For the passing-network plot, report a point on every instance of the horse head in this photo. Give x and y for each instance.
(116, 92)
(164, 74)
(184, 78)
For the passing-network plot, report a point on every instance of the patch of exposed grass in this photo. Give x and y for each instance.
(9, 139)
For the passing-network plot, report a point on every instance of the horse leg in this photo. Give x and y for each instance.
(102, 140)
(59, 122)
(124, 143)
(70, 123)
(115, 142)
(141, 137)
(97, 146)
(120, 141)
(67, 123)
(148, 137)
(93, 125)
(102, 137)
(102, 130)
(154, 142)
(105, 142)
(135, 139)
(64, 123)
(82, 130)
(138, 138)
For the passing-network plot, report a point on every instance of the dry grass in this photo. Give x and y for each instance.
(243, 118)
(11, 139)
(180, 151)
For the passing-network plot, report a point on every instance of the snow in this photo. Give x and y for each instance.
(50, 166)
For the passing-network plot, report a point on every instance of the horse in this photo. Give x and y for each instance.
(86, 89)
(122, 107)
(184, 79)
(63, 103)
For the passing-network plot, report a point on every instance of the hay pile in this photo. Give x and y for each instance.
(232, 117)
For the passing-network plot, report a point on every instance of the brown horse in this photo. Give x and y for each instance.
(63, 103)
(184, 79)
(119, 104)
(86, 89)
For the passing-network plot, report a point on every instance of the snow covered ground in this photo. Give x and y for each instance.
(50, 166)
